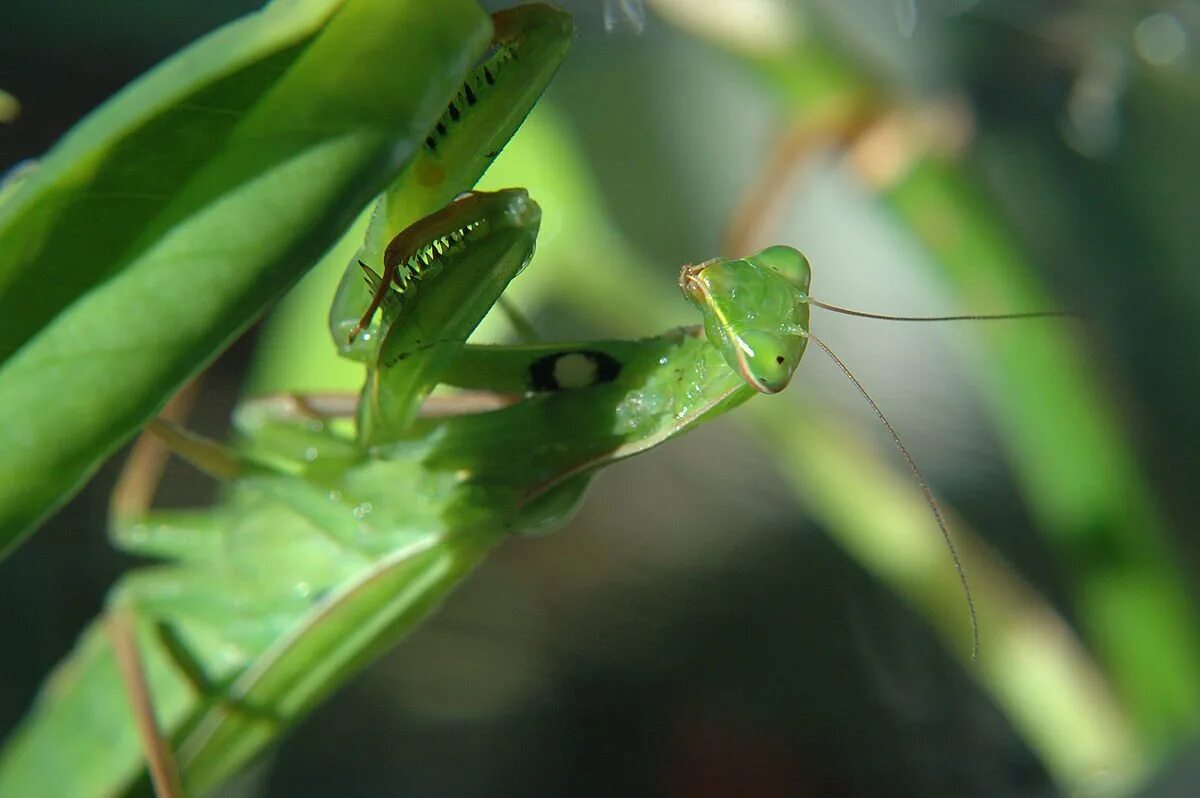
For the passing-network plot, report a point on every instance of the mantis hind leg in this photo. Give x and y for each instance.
(131, 499)
(143, 469)
(121, 627)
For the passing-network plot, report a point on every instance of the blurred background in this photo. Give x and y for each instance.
(764, 607)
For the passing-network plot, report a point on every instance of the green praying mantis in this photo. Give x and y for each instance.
(344, 524)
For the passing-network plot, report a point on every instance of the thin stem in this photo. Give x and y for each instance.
(526, 332)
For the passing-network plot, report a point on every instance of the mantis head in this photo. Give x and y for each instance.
(755, 312)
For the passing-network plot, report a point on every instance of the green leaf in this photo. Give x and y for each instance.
(164, 223)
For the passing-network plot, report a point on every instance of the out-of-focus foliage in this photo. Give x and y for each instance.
(157, 230)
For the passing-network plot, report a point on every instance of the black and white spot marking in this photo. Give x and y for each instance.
(564, 371)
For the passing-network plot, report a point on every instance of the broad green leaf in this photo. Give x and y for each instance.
(165, 222)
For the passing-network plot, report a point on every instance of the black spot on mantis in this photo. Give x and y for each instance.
(572, 369)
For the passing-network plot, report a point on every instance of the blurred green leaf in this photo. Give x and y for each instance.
(162, 225)
(1071, 454)
(1077, 470)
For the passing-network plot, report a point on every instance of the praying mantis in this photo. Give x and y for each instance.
(343, 542)
(331, 544)
(335, 538)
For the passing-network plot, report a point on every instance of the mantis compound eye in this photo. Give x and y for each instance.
(767, 361)
(787, 261)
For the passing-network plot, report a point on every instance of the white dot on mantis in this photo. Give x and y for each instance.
(574, 370)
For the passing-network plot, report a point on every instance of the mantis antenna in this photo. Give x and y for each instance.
(1036, 314)
(756, 313)
(933, 505)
